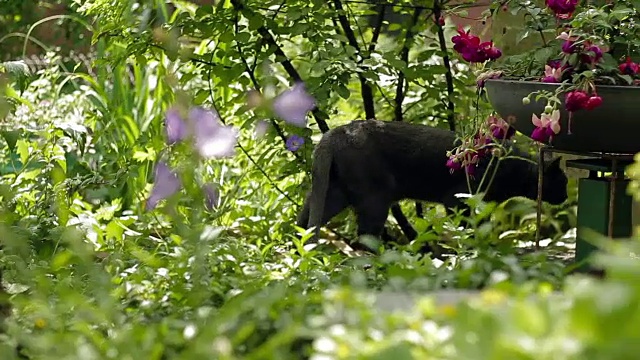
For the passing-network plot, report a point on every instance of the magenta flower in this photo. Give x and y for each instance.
(465, 41)
(575, 100)
(294, 142)
(166, 183)
(546, 126)
(491, 52)
(569, 47)
(552, 75)
(470, 168)
(563, 9)
(293, 105)
(453, 164)
(499, 128)
(471, 50)
(592, 54)
(629, 67)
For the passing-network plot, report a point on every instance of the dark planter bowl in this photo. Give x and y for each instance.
(613, 127)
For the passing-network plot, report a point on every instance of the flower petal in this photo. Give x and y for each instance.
(212, 138)
(175, 126)
(166, 183)
(536, 120)
(292, 105)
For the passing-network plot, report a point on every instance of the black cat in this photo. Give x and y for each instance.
(369, 165)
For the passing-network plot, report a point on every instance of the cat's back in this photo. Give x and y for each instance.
(361, 132)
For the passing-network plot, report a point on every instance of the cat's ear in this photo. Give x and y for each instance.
(552, 164)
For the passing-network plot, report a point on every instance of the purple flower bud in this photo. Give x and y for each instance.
(293, 105)
(211, 196)
(166, 183)
(175, 127)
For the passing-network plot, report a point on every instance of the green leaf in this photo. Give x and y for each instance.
(343, 91)
(23, 150)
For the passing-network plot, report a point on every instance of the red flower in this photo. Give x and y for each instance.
(464, 41)
(629, 67)
(593, 102)
(472, 50)
(575, 100)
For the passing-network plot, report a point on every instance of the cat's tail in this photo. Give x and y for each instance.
(320, 178)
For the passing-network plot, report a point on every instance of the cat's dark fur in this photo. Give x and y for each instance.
(370, 164)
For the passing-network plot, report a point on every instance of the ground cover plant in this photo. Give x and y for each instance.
(149, 202)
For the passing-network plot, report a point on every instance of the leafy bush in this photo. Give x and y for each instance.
(90, 272)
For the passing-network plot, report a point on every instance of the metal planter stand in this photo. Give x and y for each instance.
(603, 203)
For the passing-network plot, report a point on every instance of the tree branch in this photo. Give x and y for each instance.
(365, 88)
(437, 13)
(319, 116)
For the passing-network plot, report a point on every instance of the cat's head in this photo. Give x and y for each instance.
(554, 183)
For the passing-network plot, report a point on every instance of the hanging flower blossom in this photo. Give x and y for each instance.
(166, 183)
(575, 100)
(562, 9)
(499, 128)
(293, 105)
(592, 54)
(593, 102)
(472, 50)
(546, 126)
(552, 75)
(629, 67)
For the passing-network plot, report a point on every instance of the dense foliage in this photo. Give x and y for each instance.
(92, 271)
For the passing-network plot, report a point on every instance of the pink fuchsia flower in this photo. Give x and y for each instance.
(552, 75)
(593, 102)
(546, 126)
(499, 128)
(293, 105)
(453, 163)
(563, 9)
(575, 100)
(629, 67)
(166, 183)
(569, 45)
(591, 55)
(294, 142)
